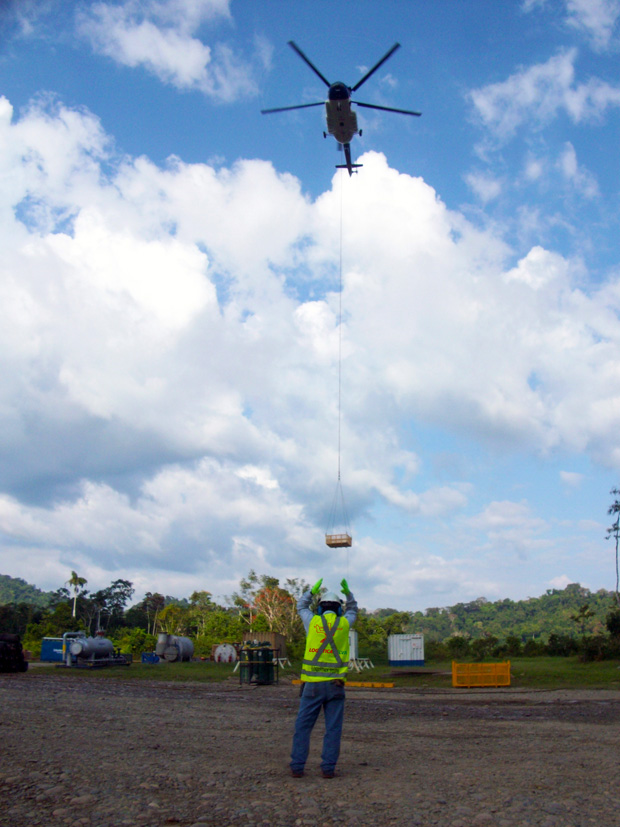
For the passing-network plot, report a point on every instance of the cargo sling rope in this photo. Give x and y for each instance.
(329, 639)
(339, 538)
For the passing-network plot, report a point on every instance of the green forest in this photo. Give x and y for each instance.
(15, 590)
(565, 621)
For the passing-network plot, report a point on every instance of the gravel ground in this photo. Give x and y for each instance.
(82, 750)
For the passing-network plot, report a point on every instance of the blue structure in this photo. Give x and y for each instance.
(149, 657)
(51, 650)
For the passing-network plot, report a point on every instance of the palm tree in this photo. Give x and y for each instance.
(614, 531)
(76, 582)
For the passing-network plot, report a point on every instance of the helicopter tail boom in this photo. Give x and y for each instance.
(349, 165)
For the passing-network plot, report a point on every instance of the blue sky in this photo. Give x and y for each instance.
(169, 292)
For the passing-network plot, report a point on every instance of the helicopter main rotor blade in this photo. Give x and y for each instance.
(386, 108)
(307, 60)
(375, 67)
(287, 108)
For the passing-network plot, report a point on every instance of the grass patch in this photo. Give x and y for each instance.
(192, 672)
(565, 673)
(526, 673)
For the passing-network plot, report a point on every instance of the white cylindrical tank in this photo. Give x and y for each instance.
(406, 650)
(91, 647)
(225, 653)
(353, 653)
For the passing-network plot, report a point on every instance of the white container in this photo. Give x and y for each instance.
(406, 650)
(353, 654)
(225, 653)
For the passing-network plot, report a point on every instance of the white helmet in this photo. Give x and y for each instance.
(329, 597)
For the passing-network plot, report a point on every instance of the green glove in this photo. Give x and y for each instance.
(345, 587)
(316, 586)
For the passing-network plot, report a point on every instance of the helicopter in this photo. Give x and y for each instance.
(341, 119)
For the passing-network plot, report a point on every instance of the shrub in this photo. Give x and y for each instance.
(134, 641)
(561, 646)
(534, 649)
(613, 623)
(592, 648)
(514, 646)
(483, 647)
(435, 650)
(458, 646)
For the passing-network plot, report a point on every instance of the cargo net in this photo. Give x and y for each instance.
(338, 533)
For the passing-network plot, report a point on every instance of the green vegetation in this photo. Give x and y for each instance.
(194, 672)
(614, 531)
(15, 590)
(542, 673)
(571, 622)
(535, 618)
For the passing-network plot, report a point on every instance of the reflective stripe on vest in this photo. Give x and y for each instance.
(327, 649)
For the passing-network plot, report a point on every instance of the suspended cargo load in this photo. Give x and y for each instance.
(338, 533)
(338, 540)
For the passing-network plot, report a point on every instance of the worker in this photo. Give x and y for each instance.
(323, 675)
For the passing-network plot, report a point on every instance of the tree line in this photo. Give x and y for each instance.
(565, 621)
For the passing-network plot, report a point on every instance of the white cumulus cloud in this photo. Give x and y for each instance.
(161, 36)
(598, 18)
(170, 390)
(535, 95)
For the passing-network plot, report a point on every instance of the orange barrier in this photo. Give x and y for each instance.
(481, 674)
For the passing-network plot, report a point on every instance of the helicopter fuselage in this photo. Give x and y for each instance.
(341, 119)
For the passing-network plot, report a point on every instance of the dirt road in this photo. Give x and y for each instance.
(82, 751)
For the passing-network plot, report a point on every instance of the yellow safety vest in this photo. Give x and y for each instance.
(327, 649)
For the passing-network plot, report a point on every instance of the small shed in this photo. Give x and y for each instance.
(275, 640)
(406, 650)
(353, 645)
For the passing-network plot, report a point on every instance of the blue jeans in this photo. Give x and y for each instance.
(330, 696)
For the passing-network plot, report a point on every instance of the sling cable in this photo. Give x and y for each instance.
(338, 532)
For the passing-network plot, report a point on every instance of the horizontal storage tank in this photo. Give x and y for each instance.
(92, 648)
(353, 653)
(174, 648)
(406, 650)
